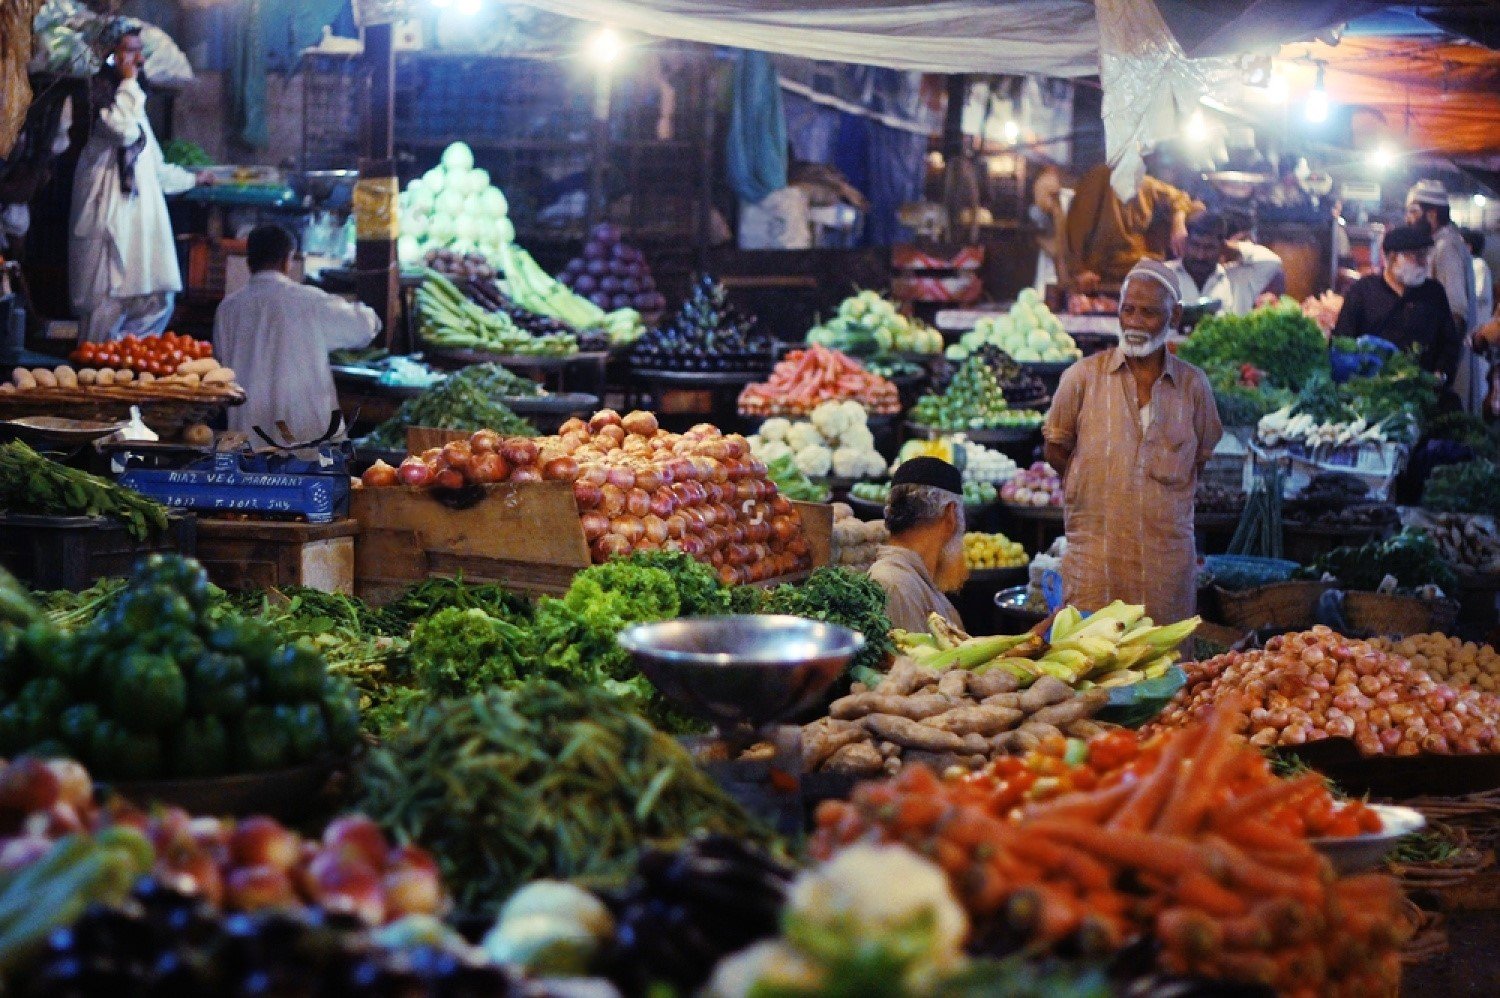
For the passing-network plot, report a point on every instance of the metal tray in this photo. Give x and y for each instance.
(1361, 853)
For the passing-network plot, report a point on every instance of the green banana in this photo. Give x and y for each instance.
(1167, 636)
(1065, 623)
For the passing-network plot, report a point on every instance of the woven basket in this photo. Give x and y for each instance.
(1281, 604)
(1380, 613)
(166, 409)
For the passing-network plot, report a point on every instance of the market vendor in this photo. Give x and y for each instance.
(925, 556)
(1105, 236)
(122, 258)
(276, 334)
(1202, 272)
(1129, 430)
(1402, 305)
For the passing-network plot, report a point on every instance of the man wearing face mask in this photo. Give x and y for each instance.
(1401, 305)
(925, 558)
(1129, 430)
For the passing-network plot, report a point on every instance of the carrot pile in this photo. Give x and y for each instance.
(1058, 767)
(1158, 852)
(1318, 684)
(804, 379)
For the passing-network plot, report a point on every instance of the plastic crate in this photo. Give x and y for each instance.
(74, 552)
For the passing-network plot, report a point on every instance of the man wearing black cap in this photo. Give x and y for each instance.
(925, 558)
(1401, 305)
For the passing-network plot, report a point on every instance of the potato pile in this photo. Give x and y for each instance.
(1451, 660)
(856, 543)
(956, 718)
(204, 374)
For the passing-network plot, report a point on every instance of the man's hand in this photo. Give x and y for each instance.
(1179, 233)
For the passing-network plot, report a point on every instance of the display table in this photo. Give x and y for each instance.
(586, 367)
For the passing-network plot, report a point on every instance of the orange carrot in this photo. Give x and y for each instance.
(1093, 806)
(1164, 855)
(1269, 798)
(1057, 857)
(1140, 811)
(1263, 880)
(1043, 912)
(1189, 932)
(1248, 931)
(1196, 783)
(1197, 890)
(1255, 835)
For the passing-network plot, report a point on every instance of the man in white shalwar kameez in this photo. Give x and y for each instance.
(122, 260)
(276, 335)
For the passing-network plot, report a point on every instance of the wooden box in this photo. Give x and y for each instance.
(248, 554)
(525, 536)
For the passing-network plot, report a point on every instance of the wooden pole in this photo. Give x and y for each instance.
(598, 209)
(377, 275)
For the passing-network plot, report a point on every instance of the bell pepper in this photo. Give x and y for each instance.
(200, 747)
(262, 741)
(295, 674)
(305, 728)
(148, 694)
(144, 608)
(47, 694)
(121, 753)
(218, 685)
(341, 712)
(183, 575)
(77, 726)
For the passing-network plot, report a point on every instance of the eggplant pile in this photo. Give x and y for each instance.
(485, 291)
(689, 909)
(706, 334)
(163, 942)
(612, 274)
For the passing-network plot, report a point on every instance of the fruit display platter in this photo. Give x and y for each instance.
(1002, 435)
(368, 380)
(457, 357)
(702, 379)
(289, 794)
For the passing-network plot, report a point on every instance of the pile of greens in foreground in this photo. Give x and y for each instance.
(1257, 362)
(538, 781)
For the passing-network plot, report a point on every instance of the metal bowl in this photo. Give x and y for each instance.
(1358, 853)
(746, 669)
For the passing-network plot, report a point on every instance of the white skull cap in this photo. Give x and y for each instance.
(1157, 271)
(1428, 192)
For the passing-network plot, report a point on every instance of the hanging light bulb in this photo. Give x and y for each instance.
(1382, 157)
(1480, 200)
(1195, 129)
(1012, 131)
(1316, 109)
(1276, 88)
(468, 7)
(604, 47)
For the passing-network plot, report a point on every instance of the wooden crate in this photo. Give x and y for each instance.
(524, 536)
(250, 554)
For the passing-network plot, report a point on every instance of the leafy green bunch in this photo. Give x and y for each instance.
(1278, 339)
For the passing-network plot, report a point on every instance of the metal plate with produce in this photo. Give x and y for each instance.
(57, 429)
(563, 404)
(454, 357)
(701, 379)
(1361, 853)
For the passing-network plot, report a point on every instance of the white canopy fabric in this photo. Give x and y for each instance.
(1051, 37)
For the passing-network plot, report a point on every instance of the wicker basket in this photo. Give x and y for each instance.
(1280, 604)
(166, 409)
(1381, 613)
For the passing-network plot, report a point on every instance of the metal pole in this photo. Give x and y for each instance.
(597, 163)
(377, 276)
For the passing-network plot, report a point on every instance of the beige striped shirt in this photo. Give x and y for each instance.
(1128, 492)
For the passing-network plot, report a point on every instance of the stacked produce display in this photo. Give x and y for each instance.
(613, 274)
(867, 325)
(973, 401)
(834, 439)
(467, 400)
(1037, 486)
(976, 462)
(450, 319)
(1029, 332)
(706, 334)
(454, 207)
(805, 379)
(975, 493)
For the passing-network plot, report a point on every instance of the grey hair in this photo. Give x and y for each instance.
(1174, 294)
(912, 505)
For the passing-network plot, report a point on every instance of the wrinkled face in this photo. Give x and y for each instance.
(1147, 313)
(129, 48)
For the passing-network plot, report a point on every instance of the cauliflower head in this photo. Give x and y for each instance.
(774, 428)
(804, 435)
(829, 419)
(848, 462)
(873, 465)
(813, 461)
(772, 451)
(858, 437)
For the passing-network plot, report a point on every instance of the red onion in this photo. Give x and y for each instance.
(629, 527)
(488, 468)
(603, 418)
(662, 503)
(595, 525)
(676, 525)
(481, 441)
(587, 495)
(622, 477)
(656, 528)
(609, 546)
(519, 451)
(415, 472)
(561, 469)
(525, 474)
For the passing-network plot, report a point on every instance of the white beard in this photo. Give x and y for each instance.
(1146, 349)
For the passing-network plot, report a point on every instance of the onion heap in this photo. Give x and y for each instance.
(638, 488)
(1319, 684)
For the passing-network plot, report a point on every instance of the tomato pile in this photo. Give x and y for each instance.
(1061, 766)
(158, 355)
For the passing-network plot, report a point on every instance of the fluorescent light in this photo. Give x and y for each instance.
(1382, 157)
(1195, 129)
(604, 47)
(1317, 102)
(1480, 200)
(1012, 131)
(1276, 89)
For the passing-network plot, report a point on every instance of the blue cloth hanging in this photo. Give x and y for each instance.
(756, 145)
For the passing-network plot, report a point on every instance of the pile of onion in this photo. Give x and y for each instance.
(1319, 684)
(638, 488)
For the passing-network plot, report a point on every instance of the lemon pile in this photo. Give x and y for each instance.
(983, 551)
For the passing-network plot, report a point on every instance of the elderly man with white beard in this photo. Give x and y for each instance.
(1129, 430)
(925, 558)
